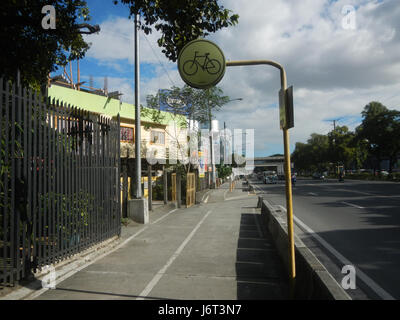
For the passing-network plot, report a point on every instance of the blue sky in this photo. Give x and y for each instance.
(335, 71)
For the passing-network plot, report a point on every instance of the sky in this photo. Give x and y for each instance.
(336, 61)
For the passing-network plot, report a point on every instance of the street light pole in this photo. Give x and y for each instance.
(138, 167)
(213, 180)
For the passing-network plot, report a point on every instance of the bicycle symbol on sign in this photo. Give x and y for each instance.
(212, 66)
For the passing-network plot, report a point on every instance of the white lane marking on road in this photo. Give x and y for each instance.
(176, 254)
(205, 201)
(164, 216)
(367, 280)
(369, 194)
(353, 205)
(259, 189)
(355, 191)
(312, 193)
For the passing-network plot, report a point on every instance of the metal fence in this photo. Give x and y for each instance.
(59, 181)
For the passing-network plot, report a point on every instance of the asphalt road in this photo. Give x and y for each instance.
(355, 222)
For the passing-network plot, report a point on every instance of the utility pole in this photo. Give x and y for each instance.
(334, 144)
(138, 167)
(211, 144)
(223, 159)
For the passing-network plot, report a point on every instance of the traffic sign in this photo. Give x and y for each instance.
(201, 64)
(286, 115)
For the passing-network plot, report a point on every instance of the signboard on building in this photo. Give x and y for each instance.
(202, 165)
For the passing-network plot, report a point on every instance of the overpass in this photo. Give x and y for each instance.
(275, 163)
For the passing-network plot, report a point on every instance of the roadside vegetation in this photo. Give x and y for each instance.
(358, 153)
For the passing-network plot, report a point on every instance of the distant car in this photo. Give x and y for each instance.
(366, 171)
(318, 176)
(271, 179)
(384, 173)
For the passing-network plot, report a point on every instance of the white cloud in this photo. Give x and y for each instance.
(115, 42)
(335, 72)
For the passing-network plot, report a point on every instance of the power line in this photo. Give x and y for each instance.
(151, 47)
(162, 64)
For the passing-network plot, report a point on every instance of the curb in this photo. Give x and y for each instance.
(313, 281)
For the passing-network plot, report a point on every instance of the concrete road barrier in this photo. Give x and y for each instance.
(313, 281)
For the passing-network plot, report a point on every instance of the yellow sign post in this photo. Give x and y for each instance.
(201, 65)
(286, 122)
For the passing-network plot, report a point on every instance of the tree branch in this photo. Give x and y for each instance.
(92, 29)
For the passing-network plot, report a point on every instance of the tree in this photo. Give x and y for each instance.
(180, 21)
(342, 149)
(194, 104)
(313, 155)
(301, 157)
(224, 171)
(380, 131)
(35, 51)
(183, 104)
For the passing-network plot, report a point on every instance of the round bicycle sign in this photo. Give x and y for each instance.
(201, 64)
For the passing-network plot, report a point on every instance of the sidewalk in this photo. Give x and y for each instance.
(216, 250)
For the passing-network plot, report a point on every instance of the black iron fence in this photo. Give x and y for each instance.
(59, 181)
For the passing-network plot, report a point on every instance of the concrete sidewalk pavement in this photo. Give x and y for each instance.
(216, 250)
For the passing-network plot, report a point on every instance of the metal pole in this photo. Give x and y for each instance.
(211, 146)
(138, 167)
(178, 189)
(289, 202)
(223, 159)
(149, 187)
(165, 185)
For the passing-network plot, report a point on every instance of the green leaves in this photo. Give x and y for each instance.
(31, 49)
(380, 131)
(181, 21)
(377, 137)
(224, 171)
(195, 104)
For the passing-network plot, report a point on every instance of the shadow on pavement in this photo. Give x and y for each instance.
(259, 270)
(111, 294)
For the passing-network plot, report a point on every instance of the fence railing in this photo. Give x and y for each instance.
(59, 181)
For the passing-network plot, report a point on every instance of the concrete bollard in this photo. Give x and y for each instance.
(138, 210)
